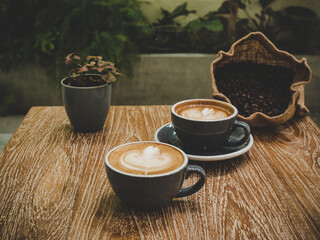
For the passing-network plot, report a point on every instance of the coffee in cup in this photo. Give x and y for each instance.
(206, 124)
(203, 111)
(146, 158)
(148, 175)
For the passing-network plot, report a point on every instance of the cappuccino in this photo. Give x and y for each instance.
(203, 111)
(146, 158)
(206, 124)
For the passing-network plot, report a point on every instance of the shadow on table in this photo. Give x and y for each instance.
(118, 220)
(224, 167)
(61, 133)
(65, 133)
(111, 203)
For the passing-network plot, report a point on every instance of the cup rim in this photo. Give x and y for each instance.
(183, 165)
(234, 114)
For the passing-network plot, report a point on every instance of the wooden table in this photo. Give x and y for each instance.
(53, 183)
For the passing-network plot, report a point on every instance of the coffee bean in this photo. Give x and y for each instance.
(253, 87)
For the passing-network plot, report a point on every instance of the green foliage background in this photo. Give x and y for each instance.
(46, 31)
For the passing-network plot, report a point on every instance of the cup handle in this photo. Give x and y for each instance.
(197, 186)
(245, 126)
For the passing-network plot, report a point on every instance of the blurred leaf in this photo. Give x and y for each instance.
(122, 38)
(224, 8)
(265, 3)
(258, 16)
(241, 4)
(299, 13)
(243, 21)
(269, 11)
(180, 11)
(214, 25)
(101, 3)
(193, 25)
(45, 41)
(168, 17)
(163, 41)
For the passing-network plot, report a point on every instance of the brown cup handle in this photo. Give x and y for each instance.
(197, 186)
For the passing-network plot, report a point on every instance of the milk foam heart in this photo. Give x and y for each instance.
(151, 159)
(203, 113)
(146, 158)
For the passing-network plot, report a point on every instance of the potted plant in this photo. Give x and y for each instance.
(86, 92)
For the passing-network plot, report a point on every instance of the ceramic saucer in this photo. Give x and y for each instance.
(166, 134)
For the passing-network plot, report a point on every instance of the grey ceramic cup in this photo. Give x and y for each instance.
(153, 191)
(87, 107)
(206, 135)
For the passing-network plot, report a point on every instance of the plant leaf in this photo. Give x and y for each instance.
(108, 77)
(93, 58)
(193, 25)
(265, 3)
(213, 25)
(83, 69)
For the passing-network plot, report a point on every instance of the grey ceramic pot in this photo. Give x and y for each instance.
(87, 107)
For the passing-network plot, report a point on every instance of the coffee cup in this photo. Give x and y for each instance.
(147, 175)
(206, 124)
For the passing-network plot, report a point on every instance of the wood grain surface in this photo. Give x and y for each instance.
(53, 183)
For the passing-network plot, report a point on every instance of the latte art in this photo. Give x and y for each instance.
(146, 159)
(203, 113)
(150, 160)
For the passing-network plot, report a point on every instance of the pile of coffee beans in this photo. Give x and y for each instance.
(253, 87)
